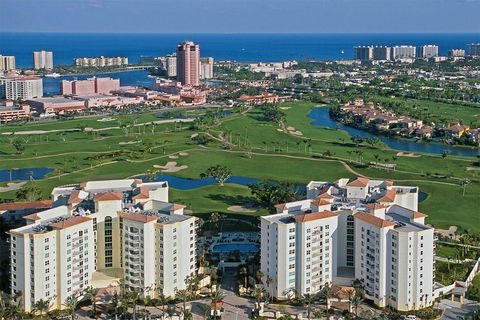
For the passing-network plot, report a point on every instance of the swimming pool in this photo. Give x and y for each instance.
(230, 247)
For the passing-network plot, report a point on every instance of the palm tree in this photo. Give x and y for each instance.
(170, 311)
(115, 301)
(187, 314)
(71, 304)
(243, 272)
(162, 299)
(307, 300)
(326, 293)
(41, 306)
(10, 305)
(183, 296)
(216, 297)
(132, 297)
(355, 302)
(259, 294)
(91, 293)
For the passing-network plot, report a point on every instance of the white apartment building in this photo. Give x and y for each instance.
(428, 51)
(171, 65)
(7, 63)
(368, 230)
(206, 68)
(20, 87)
(101, 61)
(403, 52)
(98, 233)
(42, 60)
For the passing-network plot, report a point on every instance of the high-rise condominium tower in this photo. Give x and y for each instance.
(188, 63)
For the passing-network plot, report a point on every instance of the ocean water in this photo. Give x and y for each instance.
(240, 47)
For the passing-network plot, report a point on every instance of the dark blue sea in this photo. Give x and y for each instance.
(240, 47)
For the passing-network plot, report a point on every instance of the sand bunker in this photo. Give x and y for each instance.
(183, 154)
(448, 233)
(294, 131)
(285, 108)
(473, 168)
(106, 120)
(170, 167)
(244, 208)
(173, 157)
(129, 142)
(279, 130)
(11, 186)
(408, 154)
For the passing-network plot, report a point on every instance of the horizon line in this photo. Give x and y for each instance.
(250, 33)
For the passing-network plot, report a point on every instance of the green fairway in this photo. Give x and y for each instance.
(256, 148)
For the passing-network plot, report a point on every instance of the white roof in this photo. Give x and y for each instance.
(109, 185)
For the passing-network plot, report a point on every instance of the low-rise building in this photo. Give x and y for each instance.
(56, 105)
(12, 112)
(89, 86)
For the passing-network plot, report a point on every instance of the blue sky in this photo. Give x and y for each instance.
(241, 16)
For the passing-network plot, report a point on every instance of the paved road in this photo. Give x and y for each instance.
(456, 311)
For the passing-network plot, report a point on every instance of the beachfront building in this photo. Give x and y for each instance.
(403, 52)
(364, 53)
(473, 49)
(7, 63)
(100, 232)
(428, 51)
(43, 60)
(20, 87)
(362, 229)
(456, 53)
(188, 63)
(101, 61)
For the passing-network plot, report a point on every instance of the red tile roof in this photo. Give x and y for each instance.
(26, 205)
(138, 217)
(315, 216)
(177, 206)
(417, 214)
(371, 219)
(74, 197)
(320, 202)
(325, 196)
(359, 182)
(281, 206)
(388, 197)
(70, 222)
(144, 194)
(108, 196)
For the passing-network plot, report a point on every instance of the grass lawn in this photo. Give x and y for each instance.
(261, 151)
(452, 252)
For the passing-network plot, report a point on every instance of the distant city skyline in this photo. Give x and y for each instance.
(240, 16)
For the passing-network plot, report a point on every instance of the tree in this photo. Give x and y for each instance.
(31, 192)
(42, 307)
(91, 293)
(183, 296)
(115, 301)
(272, 113)
(243, 272)
(216, 297)
(162, 300)
(259, 293)
(218, 172)
(269, 194)
(465, 183)
(71, 304)
(307, 300)
(19, 147)
(326, 294)
(355, 302)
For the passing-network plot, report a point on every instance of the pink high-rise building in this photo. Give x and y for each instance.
(188, 63)
(89, 86)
